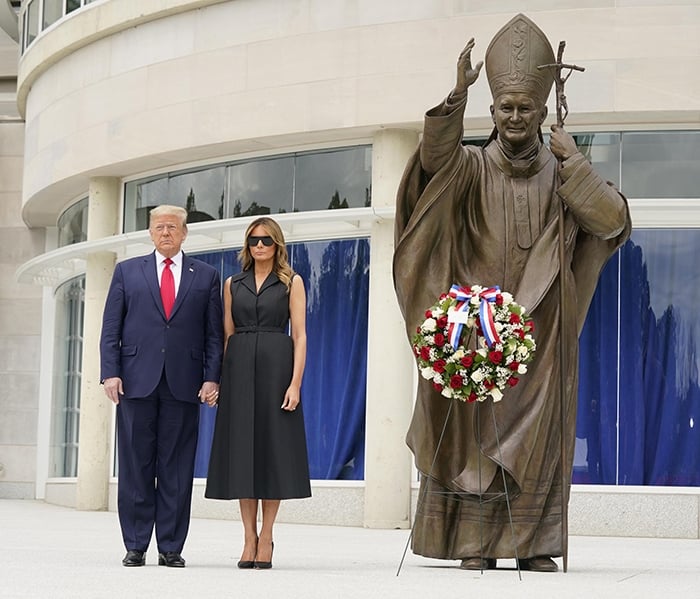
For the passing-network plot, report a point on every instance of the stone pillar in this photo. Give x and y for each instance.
(390, 364)
(94, 464)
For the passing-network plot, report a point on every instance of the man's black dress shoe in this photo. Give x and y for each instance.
(134, 558)
(172, 559)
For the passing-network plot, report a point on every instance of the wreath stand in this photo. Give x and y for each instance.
(484, 498)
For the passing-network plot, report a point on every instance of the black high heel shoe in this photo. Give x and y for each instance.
(248, 564)
(265, 565)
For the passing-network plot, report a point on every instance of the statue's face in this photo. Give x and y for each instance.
(517, 117)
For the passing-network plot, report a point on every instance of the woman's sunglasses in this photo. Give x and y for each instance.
(266, 239)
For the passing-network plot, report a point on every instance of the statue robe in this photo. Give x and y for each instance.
(470, 215)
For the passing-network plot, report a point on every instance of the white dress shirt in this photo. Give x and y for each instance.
(175, 268)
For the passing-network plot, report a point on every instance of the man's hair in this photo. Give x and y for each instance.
(169, 210)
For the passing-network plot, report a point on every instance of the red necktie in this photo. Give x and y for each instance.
(167, 288)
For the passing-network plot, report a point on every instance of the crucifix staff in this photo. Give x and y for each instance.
(560, 79)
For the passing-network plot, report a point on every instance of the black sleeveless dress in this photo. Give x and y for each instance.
(259, 449)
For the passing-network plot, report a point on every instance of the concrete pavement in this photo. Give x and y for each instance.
(51, 552)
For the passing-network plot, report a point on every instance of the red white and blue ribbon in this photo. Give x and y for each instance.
(457, 316)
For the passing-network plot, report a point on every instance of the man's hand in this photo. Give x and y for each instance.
(562, 144)
(209, 393)
(466, 75)
(113, 388)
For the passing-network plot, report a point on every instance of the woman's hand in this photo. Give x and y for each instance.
(291, 398)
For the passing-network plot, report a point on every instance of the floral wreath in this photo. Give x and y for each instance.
(504, 343)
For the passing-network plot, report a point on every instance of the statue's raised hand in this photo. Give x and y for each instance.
(466, 74)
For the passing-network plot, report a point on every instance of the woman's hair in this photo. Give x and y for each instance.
(280, 265)
(169, 210)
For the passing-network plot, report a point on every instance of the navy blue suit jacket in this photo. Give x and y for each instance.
(138, 342)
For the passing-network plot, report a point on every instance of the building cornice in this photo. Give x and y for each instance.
(55, 267)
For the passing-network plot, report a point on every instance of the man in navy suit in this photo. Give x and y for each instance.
(161, 351)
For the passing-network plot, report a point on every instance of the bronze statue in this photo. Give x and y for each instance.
(489, 216)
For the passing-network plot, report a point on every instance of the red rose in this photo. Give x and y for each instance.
(514, 365)
(496, 356)
(514, 318)
(520, 333)
(472, 397)
(443, 296)
(425, 352)
(512, 381)
(467, 361)
(455, 381)
(442, 322)
(437, 387)
(439, 339)
(428, 314)
(531, 324)
(439, 365)
(499, 300)
(489, 384)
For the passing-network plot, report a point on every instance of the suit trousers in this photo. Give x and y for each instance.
(156, 445)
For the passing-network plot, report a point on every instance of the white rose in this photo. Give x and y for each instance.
(437, 312)
(477, 376)
(429, 325)
(496, 394)
(427, 373)
(507, 298)
(446, 392)
(522, 369)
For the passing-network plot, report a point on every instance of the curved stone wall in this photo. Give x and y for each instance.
(122, 88)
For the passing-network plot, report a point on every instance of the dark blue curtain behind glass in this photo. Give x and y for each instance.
(337, 286)
(336, 275)
(671, 442)
(648, 434)
(207, 415)
(596, 435)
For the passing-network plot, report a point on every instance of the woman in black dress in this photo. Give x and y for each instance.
(258, 451)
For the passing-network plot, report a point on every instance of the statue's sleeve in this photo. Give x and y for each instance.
(442, 131)
(596, 205)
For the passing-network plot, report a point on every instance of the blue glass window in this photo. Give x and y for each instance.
(638, 414)
(661, 164)
(321, 180)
